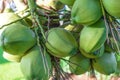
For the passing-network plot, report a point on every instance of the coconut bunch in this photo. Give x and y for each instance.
(99, 37)
(51, 39)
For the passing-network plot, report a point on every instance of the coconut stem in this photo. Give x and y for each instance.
(92, 72)
(105, 18)
(15, 21)
(37, 26)
(33, 10)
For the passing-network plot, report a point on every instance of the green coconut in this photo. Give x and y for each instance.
(36, 65)
(86, 12)
(16, 39)
(112, 7)
(60, 42)
(92, 37)
(106, 64)
(79, 64)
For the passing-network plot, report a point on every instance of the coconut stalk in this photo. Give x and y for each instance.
(112, 26)
(37, 26)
